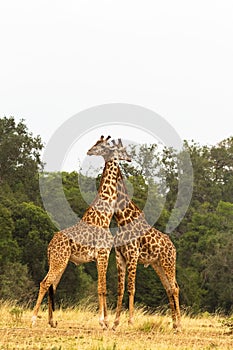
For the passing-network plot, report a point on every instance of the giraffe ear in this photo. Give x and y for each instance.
(114, 142)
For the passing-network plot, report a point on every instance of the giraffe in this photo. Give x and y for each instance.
(137, 242)
(90, 239)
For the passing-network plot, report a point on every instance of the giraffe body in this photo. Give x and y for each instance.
(81, 242)
(90, 239)
(137, 242)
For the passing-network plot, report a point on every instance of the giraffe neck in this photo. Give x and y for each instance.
(101, 210)
(125, 210)
(108, 183)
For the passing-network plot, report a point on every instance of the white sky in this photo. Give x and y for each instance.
(174, 57)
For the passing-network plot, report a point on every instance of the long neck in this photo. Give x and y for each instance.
(108, 183)
(125, 210)
(101, 210)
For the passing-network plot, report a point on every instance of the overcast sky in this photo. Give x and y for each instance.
(173, 57)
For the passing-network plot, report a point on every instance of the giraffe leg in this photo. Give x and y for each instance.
(132, 267)
(177, 305)
(105, 312)
(121, 270)
(102, 262)
(52, 290)
(105, 309)
(42, 292)
(51, 306)
(51, 279)
(172, 289)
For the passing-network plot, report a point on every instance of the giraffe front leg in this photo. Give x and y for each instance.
(102, 290)
(132, 267)
(103, 319)
(121, 270)
(105, 312)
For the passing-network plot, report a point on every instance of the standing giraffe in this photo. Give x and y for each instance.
(137, 242)
(90, 239)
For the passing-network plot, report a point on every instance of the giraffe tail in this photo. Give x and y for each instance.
(51, 295)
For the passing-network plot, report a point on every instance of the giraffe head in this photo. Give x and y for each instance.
(109, 151)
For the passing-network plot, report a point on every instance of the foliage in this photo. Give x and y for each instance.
(19, 157)
(33, 230)
(16, 284)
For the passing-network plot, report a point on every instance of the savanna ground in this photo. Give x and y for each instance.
(78, 328)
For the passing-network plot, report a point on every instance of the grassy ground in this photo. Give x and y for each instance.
(79, 329)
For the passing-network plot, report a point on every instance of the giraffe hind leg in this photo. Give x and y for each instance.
(51, 296)
(52, 290)
(44, 288)
(177, 305)
(41, 294)
(172, 289)
(51, 306)
(49, 283)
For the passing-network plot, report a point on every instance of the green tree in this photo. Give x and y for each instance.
(71, 184)
(221, 159)
(57, 205)
(33, 231)
(9, 249)
(16, 283)
(205, 258)
(19, 157)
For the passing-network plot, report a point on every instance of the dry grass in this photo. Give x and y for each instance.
(78, 329)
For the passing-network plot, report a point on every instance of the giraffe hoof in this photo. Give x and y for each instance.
(53, 324)
(33, 321)
(130, 322)
(115, 324)
(177, 329)
(106, 324)
(103, 325)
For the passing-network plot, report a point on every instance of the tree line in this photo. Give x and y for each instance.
(203, 238)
